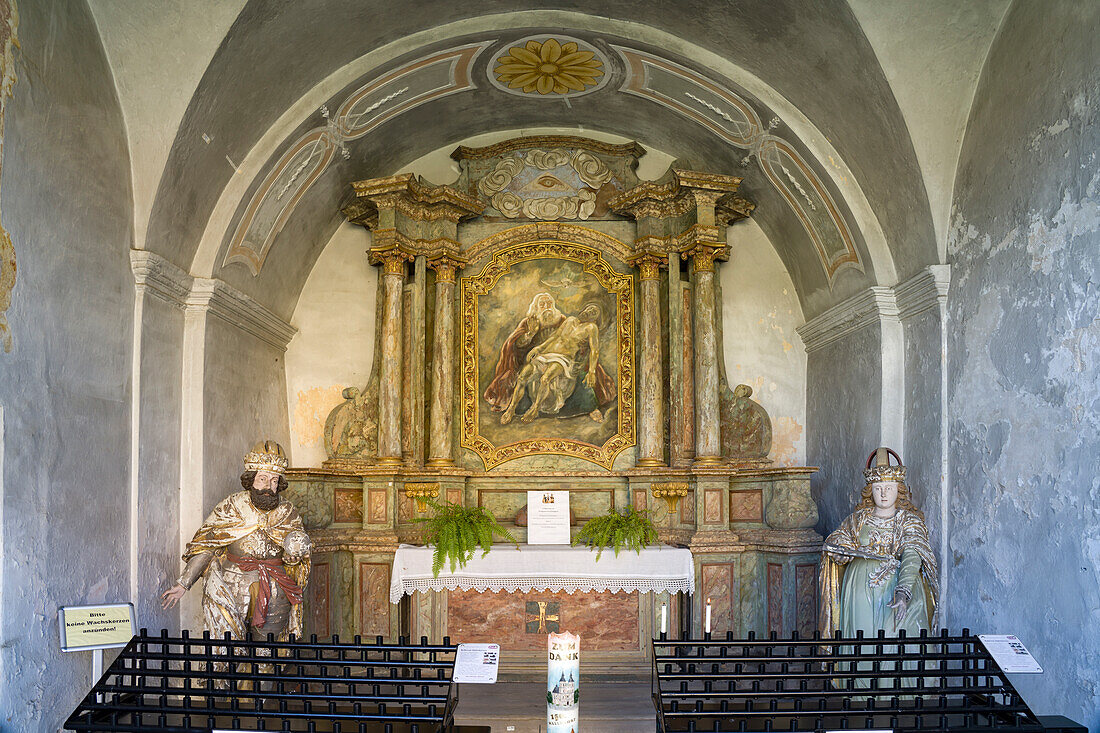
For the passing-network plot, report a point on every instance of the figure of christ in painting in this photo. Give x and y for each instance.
(552, 371)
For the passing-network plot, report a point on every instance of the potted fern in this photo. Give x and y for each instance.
(457, 531)
(630, 529)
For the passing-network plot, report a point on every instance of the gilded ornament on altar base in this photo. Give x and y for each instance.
(548, 355)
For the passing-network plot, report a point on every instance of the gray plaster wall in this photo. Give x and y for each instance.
(65, 386)
(922, 452)
(159, 459)
(843, 419)
(245, 402)
(1024, 365)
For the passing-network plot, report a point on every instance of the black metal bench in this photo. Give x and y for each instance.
(925, 683)
(199, 684)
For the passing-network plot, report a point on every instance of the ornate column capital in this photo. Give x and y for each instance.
(392, 258)
(649, 264)
(446, 266)
(704, 254)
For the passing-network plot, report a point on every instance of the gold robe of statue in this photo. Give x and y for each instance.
(240, 550)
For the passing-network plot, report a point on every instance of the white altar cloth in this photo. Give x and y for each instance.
(546, 568)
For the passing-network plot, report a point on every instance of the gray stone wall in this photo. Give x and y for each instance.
(158, 465)
(843, 419)
(922, 450)
(65, 387)
(244, 402)
(1024, 365)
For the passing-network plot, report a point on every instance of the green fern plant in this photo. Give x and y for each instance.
(630, 529)
(456, 531)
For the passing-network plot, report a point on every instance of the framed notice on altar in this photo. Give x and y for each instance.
(548, 518)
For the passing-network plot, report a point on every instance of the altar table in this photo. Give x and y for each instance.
(657, 569)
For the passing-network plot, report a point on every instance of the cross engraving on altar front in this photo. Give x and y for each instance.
(543, 617)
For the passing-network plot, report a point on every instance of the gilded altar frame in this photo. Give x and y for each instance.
(620, 285)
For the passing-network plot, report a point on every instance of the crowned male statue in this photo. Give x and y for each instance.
(877, 569)
(253, 554)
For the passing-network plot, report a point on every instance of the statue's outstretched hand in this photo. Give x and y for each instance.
(172, 596)
(900, 605)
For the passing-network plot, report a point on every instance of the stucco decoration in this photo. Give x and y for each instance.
(548, 178)
(546, 184)
(746, 427)
(550, 67)
(725, 113)
(9, 22)
(432, 77)
(351, 430)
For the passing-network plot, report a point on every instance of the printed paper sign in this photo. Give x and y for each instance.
(1010, 654)
(477, 663)
(548, 518)
(85, 628)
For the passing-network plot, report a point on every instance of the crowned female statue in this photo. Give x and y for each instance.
(877, 568)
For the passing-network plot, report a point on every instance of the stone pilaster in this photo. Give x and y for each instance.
(441, 414)
(392, 260)
(651, 405)
(708, 448)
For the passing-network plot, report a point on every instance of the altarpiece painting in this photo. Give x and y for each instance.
(547, 355)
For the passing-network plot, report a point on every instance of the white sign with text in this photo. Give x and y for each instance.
(477, 663)
(1010, 654)
(548, 518)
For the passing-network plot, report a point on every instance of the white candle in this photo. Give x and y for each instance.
(664, 617)
(706, 621)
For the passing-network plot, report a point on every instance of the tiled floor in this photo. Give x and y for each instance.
(520, 707)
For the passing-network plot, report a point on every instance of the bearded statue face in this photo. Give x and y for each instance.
(265, 491)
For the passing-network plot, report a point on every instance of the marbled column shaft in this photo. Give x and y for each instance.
(389, 392)
(652, 405)
(441, 416)
(707, 426)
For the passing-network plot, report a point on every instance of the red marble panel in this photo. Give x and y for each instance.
(348, 506)
(805, 591)
(717, 586)
(712, 505)
(687, 508)
(405, 509)
(604, 621)
(775, 598)
(454, 496)
(746, 506)
(317, 601)
(376, 506)
(374, 598)
(640, 499)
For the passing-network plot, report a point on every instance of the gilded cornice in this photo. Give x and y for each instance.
(548, 231)
(631, 149)
(682, 192)
(417, 200)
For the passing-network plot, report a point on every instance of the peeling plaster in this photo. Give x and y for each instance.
(1024, 366)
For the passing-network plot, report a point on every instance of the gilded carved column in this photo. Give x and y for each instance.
(441, 413)
(651, 404)
(708, 449)
(389, 388)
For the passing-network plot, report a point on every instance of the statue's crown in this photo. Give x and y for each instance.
(879, 468)
(267, 456)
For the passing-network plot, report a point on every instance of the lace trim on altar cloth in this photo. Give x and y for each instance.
(553, 585)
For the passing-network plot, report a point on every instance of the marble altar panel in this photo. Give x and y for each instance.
(604, 621)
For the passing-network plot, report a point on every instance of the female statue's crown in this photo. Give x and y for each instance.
(879, 468)
(267, 456)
